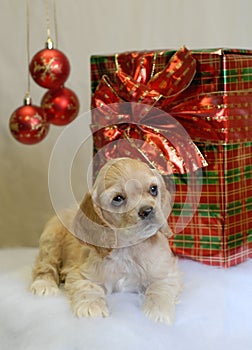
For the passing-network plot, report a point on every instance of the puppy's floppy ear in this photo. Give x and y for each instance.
(90, 227)
(165, 194)
(90, 209)
(166, 205)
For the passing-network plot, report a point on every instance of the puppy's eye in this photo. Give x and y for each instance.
(118, 200)
(154, 190)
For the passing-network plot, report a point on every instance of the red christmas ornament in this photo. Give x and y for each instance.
(49, 68)
(28, 124)
(61, 106)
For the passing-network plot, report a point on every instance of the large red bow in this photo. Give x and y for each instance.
(138, 128)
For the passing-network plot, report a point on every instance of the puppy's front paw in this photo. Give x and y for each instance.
(88, 299)
(44, 287)
(90, 307)
(159, 309)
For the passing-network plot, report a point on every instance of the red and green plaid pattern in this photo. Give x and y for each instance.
(218, 69)
(220, 232)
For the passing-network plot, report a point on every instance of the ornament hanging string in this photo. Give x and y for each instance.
(28, 92)
(48, 22)
(55, 23)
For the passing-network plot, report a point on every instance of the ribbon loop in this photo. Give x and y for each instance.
(176, 76)
(157, 137)
(127, 104)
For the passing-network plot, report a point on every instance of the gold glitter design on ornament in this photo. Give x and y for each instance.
(46, 68)
(49, 105)
(14, 127)
(41, 132)
(36, 126)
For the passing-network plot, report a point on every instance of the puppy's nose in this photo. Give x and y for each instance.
(145, 211)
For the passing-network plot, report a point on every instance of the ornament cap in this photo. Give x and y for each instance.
(49, 44)
(27, 100)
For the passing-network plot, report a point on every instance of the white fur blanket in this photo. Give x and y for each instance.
(215, 313)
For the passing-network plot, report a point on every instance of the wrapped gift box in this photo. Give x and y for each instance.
(210, 93)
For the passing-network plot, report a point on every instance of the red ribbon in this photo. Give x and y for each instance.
(145, 132)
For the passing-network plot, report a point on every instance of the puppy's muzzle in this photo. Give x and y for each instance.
(145, 212)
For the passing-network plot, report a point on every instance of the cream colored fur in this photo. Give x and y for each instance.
(89, 271)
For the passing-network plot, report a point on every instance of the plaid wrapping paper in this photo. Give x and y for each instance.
(220, 232)
(216, 111)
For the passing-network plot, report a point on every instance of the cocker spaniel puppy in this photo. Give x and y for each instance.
(117, 242)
